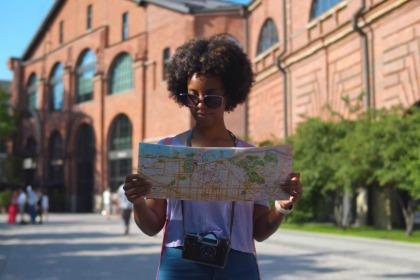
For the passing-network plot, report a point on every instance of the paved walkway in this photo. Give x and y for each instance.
(91, 247)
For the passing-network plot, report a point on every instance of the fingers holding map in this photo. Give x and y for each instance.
(215, 173)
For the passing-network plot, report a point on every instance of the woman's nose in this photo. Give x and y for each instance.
(200, 103)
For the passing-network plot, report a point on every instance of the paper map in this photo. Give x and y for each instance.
(215, 173)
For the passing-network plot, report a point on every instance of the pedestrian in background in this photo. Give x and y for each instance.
(125, 208)
(32, 203)
(22, 202)
(13, 207)
(106, 201)
(42, 205)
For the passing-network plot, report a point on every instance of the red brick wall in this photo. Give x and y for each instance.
(151, 29)
(397, 57)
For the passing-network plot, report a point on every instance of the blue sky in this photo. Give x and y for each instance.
(19, 21)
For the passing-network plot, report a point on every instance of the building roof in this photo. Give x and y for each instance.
(194, 6)
(182, 6)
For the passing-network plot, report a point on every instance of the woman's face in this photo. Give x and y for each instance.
(205, 85)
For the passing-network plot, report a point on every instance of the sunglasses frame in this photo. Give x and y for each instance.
(195, 100)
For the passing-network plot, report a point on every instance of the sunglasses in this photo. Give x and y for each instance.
(191, 100)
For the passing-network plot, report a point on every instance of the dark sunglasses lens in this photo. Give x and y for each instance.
(187, 99)
(213, 101)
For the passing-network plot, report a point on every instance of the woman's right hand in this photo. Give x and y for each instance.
(136, 187)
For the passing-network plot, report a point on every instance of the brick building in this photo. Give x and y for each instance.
(4, 151)
(326, 49)
(92, 79)
(92, 83)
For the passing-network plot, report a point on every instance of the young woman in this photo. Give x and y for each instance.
(210, 77)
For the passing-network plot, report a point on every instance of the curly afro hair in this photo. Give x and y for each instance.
(219, 56)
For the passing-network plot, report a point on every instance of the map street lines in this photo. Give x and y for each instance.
(215, 173)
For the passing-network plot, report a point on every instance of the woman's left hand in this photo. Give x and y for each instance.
(293, 188)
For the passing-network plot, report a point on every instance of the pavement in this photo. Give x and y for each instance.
(88, 246)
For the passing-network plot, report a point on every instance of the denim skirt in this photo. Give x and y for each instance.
(239, 265)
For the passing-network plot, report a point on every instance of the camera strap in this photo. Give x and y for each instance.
(185, 139)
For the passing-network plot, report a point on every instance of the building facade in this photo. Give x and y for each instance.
(92, 82)
(93, 78)
(4, 144)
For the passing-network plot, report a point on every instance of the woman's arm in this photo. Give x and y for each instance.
(149, 214)
(266, 221)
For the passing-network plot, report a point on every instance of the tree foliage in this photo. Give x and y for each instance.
(7, 120)
(378, 148)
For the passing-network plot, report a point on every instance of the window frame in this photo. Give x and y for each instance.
(32, 93)
(323, 8)
(122, 77)
(61, 32)
(124, 27)
(261, 48)
(89, 17)
(53, 81)
(120, 158)
(166, 58)
(89, 68)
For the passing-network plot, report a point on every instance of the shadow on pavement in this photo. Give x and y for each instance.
(401, 276)
(274, 266)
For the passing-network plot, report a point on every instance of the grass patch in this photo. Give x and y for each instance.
(369, 232)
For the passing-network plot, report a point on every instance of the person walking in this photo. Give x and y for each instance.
(13, 208)
(43, 206)
(106, 201)
(125, 207)
(32, 203)
(22, 202)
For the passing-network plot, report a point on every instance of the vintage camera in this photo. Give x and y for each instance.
(206, 249)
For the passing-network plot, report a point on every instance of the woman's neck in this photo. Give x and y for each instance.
(211, 135)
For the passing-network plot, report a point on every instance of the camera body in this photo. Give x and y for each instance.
(204, 249)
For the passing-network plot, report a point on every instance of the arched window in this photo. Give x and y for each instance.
(120, 151)
(56, 88)
(85, 167)
(86, 69)
(56, 160)
(121, 74)
(268, 36)
(321, 6)
(30, 148)
(32, 91)
(29, 161)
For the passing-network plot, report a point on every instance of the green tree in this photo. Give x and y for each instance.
(7, 120)
(397, 136)
(8, 123)
(313, 148)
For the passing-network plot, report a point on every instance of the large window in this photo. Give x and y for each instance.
(124, 31)
(268, 36)
(121, 74)
(85, 72)
(32, 91)
(56, 88)
(120, 153)
(56, 160)
(165, 61)
(89, 17)
(321, 6)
